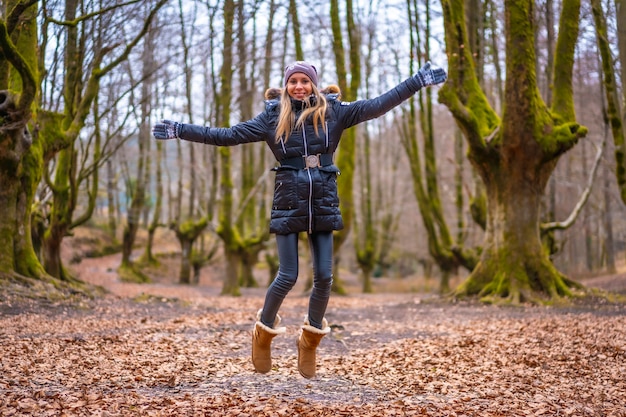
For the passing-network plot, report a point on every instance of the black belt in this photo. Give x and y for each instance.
(308, 161)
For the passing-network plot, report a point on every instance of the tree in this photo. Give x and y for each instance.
(345, 158)
(423, 164)
(80, 89)
(514, 155)
(188, 225)
(21, 150)
(612, 95)
(127, 269)
(32, 135)
(226, 229)
(620, 151)
(251, 220)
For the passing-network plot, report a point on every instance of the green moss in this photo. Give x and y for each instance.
(129, 273)
(190, 229)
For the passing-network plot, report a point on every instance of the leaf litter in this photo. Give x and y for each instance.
(387, 355)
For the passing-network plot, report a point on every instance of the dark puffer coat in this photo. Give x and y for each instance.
(305, 199)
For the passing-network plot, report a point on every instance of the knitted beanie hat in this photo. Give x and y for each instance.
(303, 67)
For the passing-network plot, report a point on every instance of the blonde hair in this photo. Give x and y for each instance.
(286, 118)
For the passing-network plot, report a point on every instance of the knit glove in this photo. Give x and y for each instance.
(430, 74)
(167, 129)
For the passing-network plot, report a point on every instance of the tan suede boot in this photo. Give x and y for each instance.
(308, 340)
(261, 341)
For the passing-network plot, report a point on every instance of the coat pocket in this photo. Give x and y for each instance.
(285, 190)
(330, 193)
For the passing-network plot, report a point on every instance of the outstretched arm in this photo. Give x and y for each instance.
(362, 110)
(254, 130)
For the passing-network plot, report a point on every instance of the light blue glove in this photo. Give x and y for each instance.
(430, 74)
(167, 129)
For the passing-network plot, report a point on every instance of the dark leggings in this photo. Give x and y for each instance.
(321, 244)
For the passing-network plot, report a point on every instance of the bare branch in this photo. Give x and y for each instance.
(135, 41)
(547, 227)
(93, 82)
(79, 19)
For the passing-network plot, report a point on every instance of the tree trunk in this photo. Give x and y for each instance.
(226, 229)
(366, 238)
(251, 219)
(148, 256)
(21, 154)
(231, 280)
(80, 90)
(423, 164)
(138, 201)
(609, 241)
(248, 260)
(10, 220)
(185, 261)
(345, 158)
(514, 157)
(587, 227)
(620, 18)
(612, 96)
(366, 278)
(513, 264)
(111, 200)
(188, 225)
(187, 233)
(60, 216)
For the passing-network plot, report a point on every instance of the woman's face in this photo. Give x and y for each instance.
(299, 86)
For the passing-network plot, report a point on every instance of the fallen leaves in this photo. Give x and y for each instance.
(385, 357)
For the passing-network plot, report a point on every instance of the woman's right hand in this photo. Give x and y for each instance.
(166, 129)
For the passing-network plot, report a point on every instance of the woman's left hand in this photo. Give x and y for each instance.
(430, 74)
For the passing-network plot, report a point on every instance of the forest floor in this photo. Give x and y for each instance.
(163, 349)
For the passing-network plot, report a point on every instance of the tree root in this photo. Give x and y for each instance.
(536, 281)
(20, 287)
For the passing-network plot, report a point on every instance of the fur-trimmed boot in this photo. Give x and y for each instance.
(261, 341)
(308, 340)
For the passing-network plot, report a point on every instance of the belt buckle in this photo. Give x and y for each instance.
(311, 161)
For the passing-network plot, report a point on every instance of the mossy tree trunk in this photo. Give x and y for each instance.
(188, 223)
(612, 94)
(375, 222)
(620, 6)
(148, 256)
(226, 229)
(366, 237)
(251, 218)
(128, 269)
(345, 158)
(242, 232)
(516, 155)
(64, 191)
(21, 150)
(422, 161)
(187, 233)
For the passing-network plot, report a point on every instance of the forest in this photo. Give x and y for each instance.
(483, 216)
(509, 179)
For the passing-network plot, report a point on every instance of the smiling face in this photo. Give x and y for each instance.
(299, 86)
